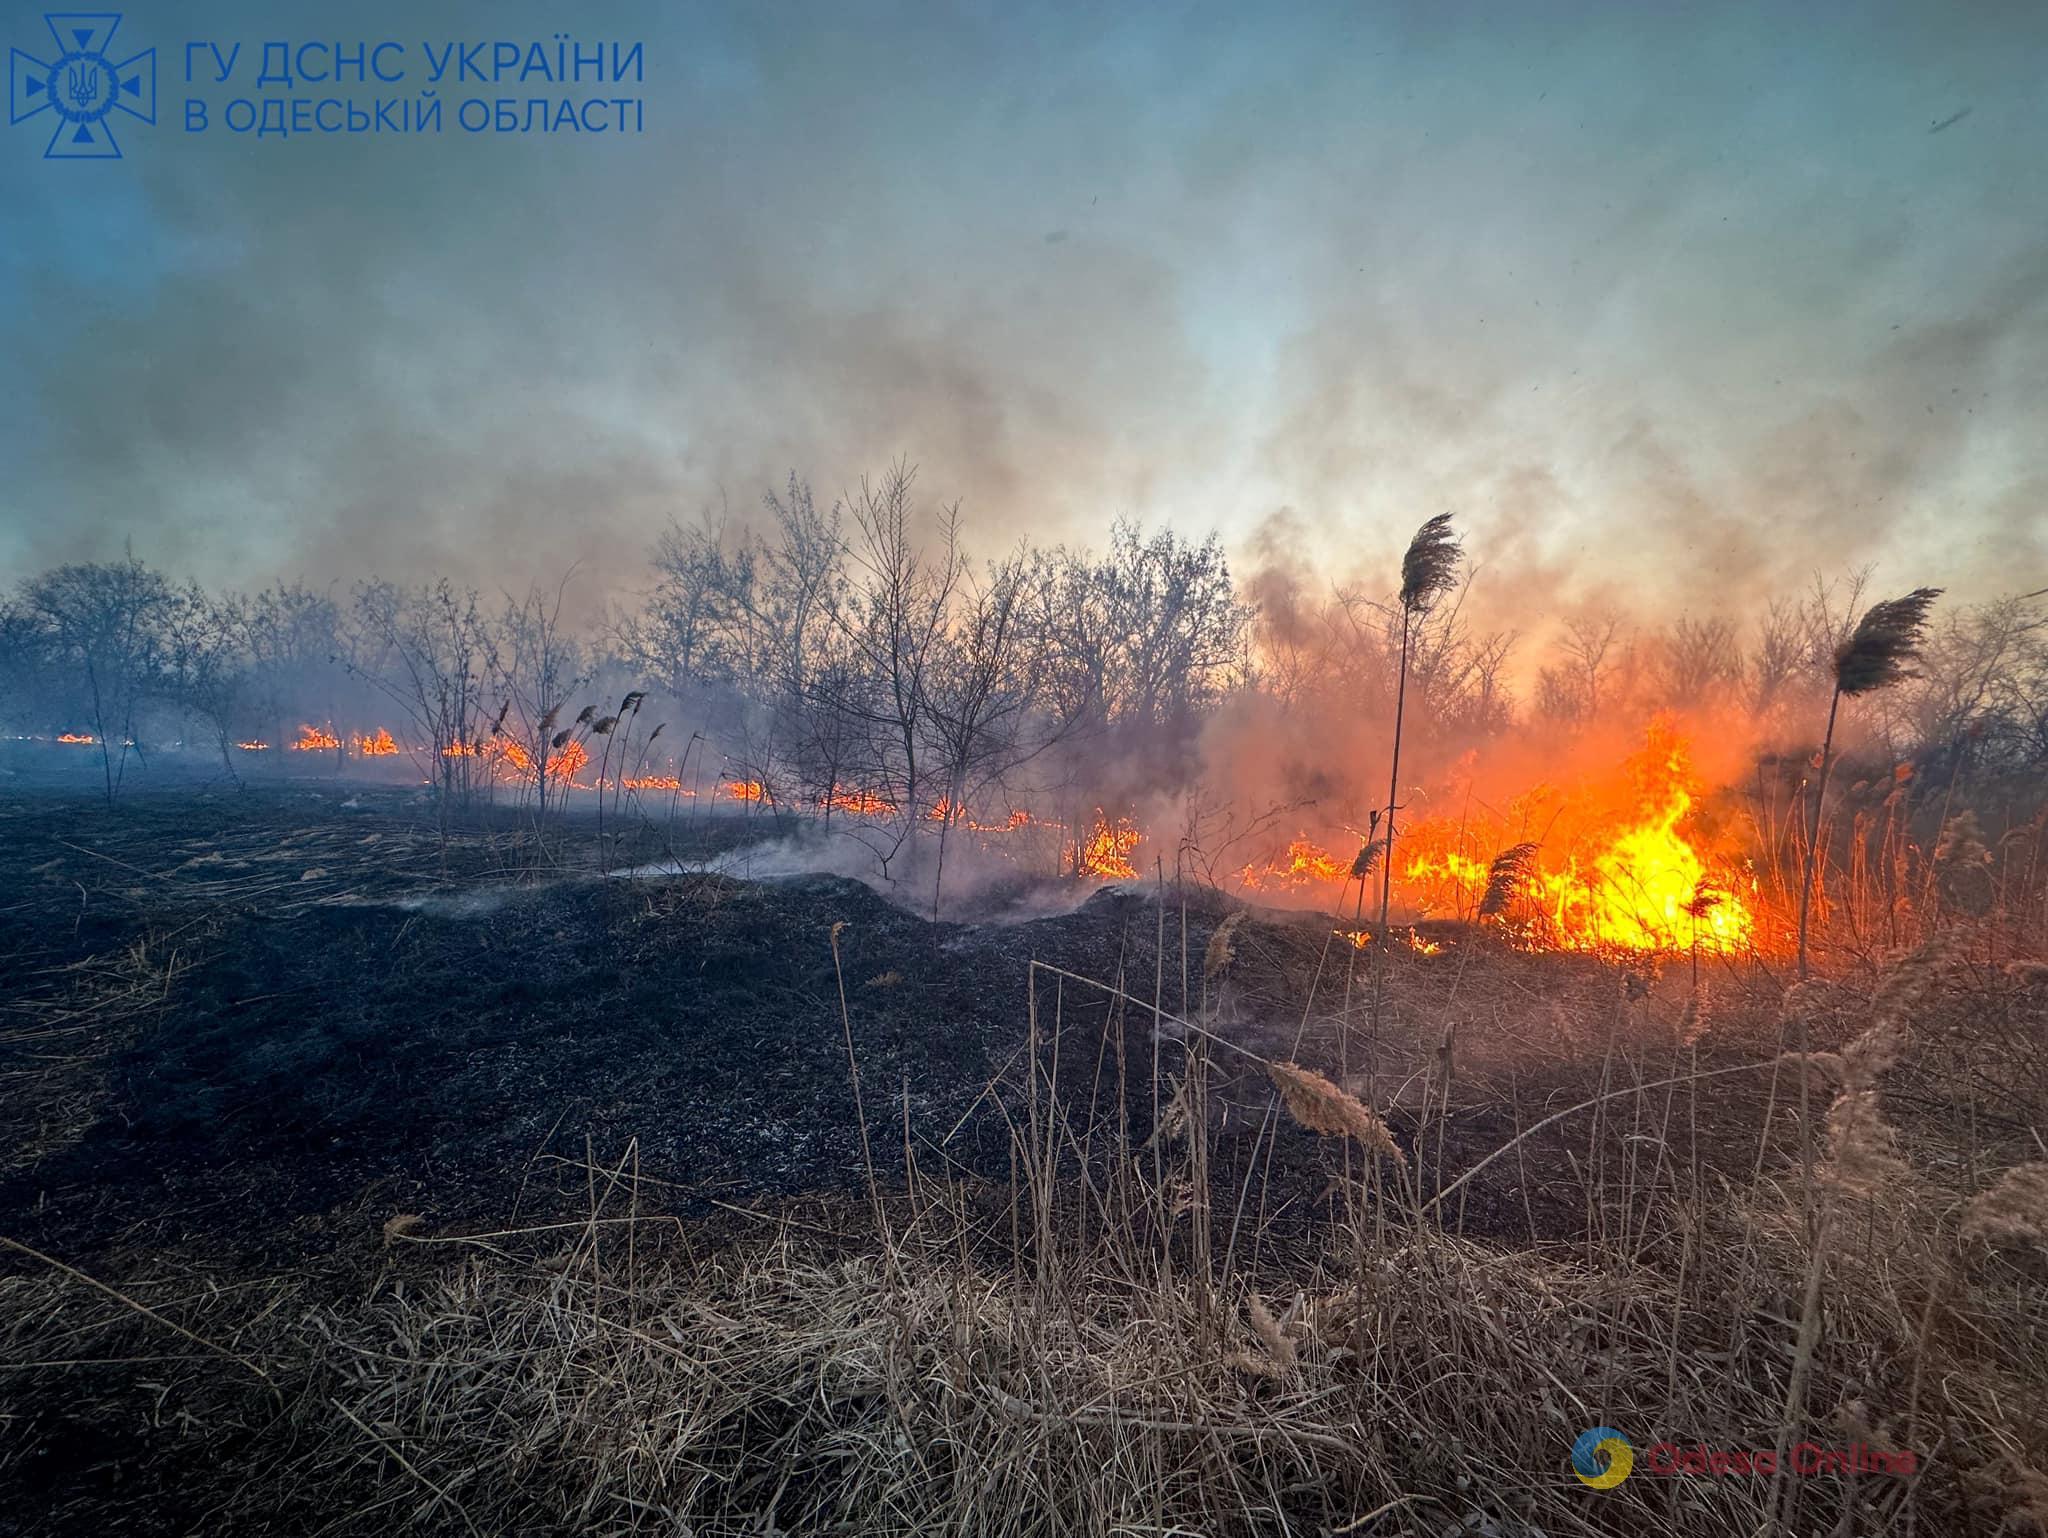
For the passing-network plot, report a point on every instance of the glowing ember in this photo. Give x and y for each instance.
(76, 737)
(313, 740)
(656, 782)
(253, 746)
(379, 746)
(1107, 850)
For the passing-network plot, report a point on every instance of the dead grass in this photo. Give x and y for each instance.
(1097, 1347)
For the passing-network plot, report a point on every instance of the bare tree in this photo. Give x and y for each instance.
(104, 625)
(895, 624)
(206, 662)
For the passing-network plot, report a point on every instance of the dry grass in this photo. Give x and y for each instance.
(1071, 1353)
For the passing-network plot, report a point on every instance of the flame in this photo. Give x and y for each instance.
(860, 803)
(77, 737)
(562, 763)
(1359, 938)
(1305, 864)
(312, 740)
(379, 746)
(1107, 849)
(743, 790)
(253, 746)
(656, 782)
(1635, 878)
(1423, 947)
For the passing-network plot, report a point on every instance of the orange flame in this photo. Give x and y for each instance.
(1305, 864)
(562, 763)
(1634, 879)
(860, 803)
(380, 746)
(1107, 850)
(77, 737)
(313, 740)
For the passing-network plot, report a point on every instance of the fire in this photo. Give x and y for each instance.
(1304, 864)
(253, 746)
(1423, 947)
(1107, 849)
(1358, 938)
(944, 811)
(1633, 879)
(655, 782)
(562, 763)
(77, 737)
(313, 740)
(860, 803)
(744, 790)
(380, 746)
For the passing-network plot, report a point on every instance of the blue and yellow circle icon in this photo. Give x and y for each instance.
(1602, 1458)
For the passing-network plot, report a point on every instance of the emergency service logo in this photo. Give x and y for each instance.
(82, 85)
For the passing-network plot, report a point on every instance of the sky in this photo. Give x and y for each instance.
(1672, 305)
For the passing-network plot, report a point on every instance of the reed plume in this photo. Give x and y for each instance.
(1222, 949)
(1430, 568)
(1322, 1107)
(1428, 571)
(1880, 651)
(1509, 875)
(1885, 643)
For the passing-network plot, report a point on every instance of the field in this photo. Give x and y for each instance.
(365, 1176)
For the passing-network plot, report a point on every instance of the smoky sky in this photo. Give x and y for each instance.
(1671, 304)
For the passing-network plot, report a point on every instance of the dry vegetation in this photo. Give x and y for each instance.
(1138, 1332)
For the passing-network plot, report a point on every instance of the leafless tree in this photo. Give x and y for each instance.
(104, 627)
(207, 664)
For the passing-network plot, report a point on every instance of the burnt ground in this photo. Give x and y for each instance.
(261, 1022)
(243, 1030)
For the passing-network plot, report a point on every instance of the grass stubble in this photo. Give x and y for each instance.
(1077, 1351)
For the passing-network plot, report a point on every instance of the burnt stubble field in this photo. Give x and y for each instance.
(349, 1147)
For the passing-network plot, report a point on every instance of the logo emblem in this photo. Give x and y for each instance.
(1602, 1457)
(83, 85)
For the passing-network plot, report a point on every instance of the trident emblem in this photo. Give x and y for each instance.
(82, 86)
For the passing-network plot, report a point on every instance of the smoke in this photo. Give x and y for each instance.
(1653, 302)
